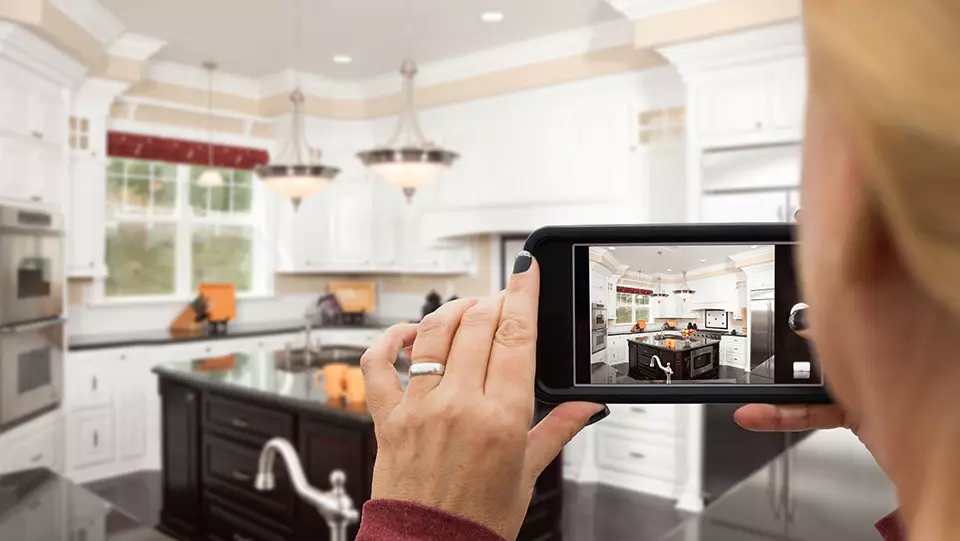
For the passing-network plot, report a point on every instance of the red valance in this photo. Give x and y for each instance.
(148, 147)
(635, 291)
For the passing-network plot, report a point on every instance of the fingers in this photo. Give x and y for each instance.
(513, 357)
(432, 345)
(770, 418)
(471, 346)
(379, 375)
(546, 440)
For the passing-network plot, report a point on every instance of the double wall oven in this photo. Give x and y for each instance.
(598, 327)
(31, 313)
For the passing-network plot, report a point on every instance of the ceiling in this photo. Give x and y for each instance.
(256, 38)
(676, 259)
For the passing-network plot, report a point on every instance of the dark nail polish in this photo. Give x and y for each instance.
(599, 416)
(798, 317)
(523, 262)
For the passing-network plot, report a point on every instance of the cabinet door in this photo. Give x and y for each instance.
(16, 163)
(744, 207)
(180, 447)
(90, 438)
(133, 417)
(734, 102)
(789, 94)
(39, 448)
(324, 448)
(13, 96)
(47, 116)
(85, 218)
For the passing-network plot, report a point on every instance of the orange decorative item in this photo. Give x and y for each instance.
(640, 326)
(335, 380)
(356, 392)
(355, 296)
(221, 301)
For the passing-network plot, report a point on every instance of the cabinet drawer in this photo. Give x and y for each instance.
(90, 438)
(37, 449)
(89, 382)
(651, 459)
(250, 422)
(224, 524)
(230, 468)
(653, 417)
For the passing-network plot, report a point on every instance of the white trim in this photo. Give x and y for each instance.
(135, 46)
(192, 134)
(227, 113)
(38, 56)
(772, 42)
(96, 95)
(641, 9)
(92, 17)
(196, 77)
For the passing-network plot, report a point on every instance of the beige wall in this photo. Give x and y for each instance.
(70, 37)
(712, 19)
(77, 290)
(22, 11)
(118, 68)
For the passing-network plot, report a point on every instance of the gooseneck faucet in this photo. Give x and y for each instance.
(335, 505)
(656, 360)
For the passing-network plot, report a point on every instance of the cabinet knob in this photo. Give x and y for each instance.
(191, 397)
(94, 383)
(36, 198)
(758, 124)
(634, 454)
(91, 264)
(123, 356)
(208, 349)
(96, 439)
(36, 134)
(36, 458)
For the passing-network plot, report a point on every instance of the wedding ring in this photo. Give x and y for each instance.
(426, 369)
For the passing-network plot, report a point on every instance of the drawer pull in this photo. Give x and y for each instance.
(96, 439)
(241, 476)
(239, 423)
(638, 410)
(93, 383)
(238, 537)
(634, 454)
(36, 458)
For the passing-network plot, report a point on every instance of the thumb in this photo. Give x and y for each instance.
(546, 440)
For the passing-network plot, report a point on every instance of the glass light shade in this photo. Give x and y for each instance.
(211, 178)
(409, 175)
(684, 294)
(297, 187)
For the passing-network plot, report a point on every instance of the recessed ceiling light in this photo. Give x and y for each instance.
(669, 270)
(754, 247)
(342, 59)
(491, 17)
(703, 260)
(611, 248)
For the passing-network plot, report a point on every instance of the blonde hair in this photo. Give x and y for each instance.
(890, 69)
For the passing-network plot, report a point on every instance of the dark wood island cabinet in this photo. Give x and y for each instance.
(694, 359)
(215, 423)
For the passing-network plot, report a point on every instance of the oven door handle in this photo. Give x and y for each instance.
(31, 327)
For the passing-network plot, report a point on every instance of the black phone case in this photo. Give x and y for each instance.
(658, 234)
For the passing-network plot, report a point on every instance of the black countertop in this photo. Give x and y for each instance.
(39, 505)
(681, 344)
(826, 487)
(234, 330)
(272, 377)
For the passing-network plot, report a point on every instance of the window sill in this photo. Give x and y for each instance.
(117, 302)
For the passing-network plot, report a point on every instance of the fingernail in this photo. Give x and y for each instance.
(599, 416)
(523, 262)
(798, 317)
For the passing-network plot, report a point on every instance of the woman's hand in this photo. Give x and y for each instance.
(462, 442)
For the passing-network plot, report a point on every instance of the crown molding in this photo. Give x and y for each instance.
(533, 51)
(641, 9)
(24, 47)
(768, 43)
(196, 77)
(135, 46)
(92, 17)
(96, 95)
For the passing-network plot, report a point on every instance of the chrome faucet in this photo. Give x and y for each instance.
(335, 506)
(655, 359)
(664, 327)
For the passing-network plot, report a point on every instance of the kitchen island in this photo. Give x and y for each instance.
(217, 414)
(693, 359)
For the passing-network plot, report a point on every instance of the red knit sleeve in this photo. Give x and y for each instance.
(394, 520)
(891, 528)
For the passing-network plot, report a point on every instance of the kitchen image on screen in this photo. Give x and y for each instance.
(695, 315)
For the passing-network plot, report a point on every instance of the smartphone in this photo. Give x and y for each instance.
(706, 313)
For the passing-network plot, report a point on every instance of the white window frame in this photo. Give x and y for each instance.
(633, 307)
(261, 218)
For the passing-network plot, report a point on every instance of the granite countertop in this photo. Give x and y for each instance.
(825, 487)
(621, 333)
(682, 345)
(274, 378)
(234, 330)
(39, 505)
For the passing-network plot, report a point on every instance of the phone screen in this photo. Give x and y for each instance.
(690, 315)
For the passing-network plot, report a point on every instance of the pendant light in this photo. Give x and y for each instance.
(659, 294)
(408, 159)
(294, 174)
(684, 292)
(211, 177)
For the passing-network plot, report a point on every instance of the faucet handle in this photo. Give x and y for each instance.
(338, 480)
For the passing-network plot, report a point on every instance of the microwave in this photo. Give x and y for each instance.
(31, 265)
(31, 369)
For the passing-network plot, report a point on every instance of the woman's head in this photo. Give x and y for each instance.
(881, 227)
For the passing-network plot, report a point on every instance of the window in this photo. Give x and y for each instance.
(166, 233)
(632, 307)
(79, 133)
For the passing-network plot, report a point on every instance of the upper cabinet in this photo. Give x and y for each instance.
(85, 217)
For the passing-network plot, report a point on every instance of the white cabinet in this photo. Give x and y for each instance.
(90, 438)
(733, 351)
(85, 217)
(769, 206)
(36, 444)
